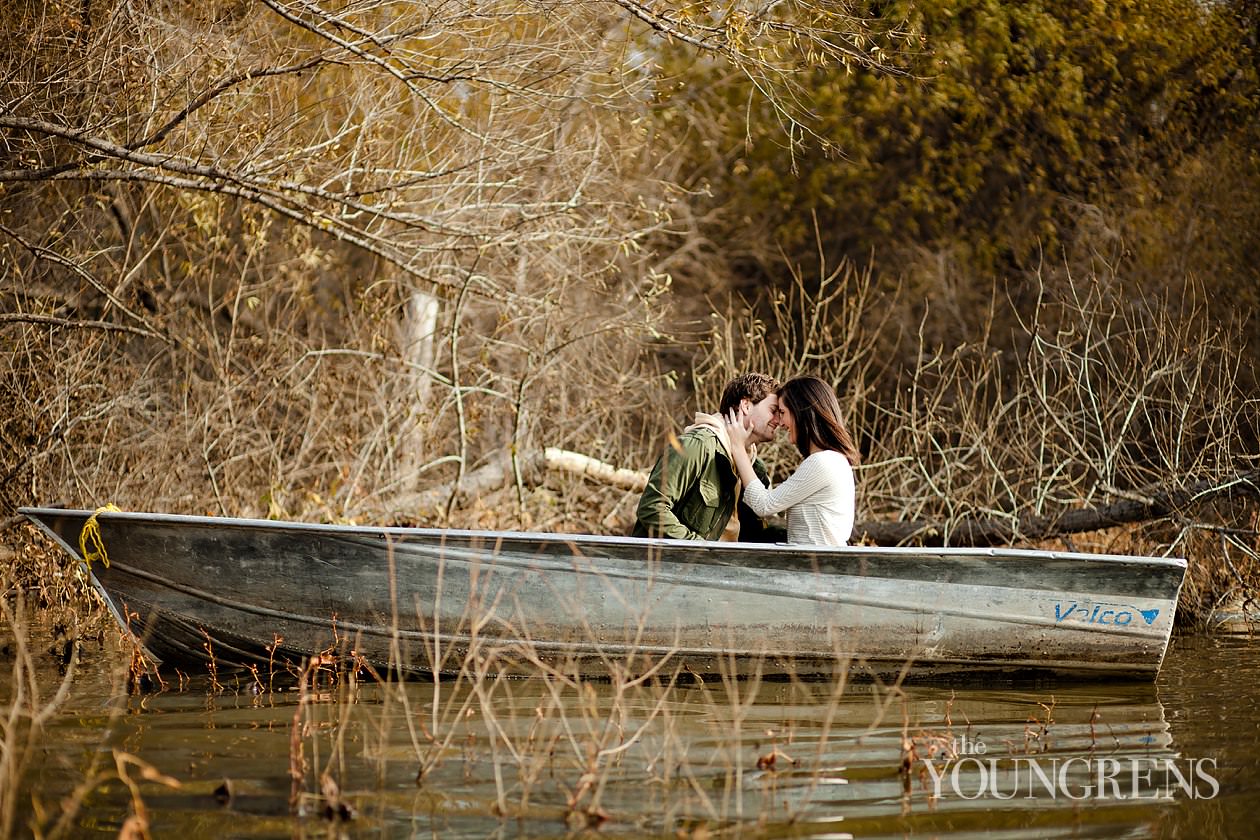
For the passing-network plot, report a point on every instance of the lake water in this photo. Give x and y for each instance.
(553, 758)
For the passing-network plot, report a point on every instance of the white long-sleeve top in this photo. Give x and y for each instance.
(819, 499)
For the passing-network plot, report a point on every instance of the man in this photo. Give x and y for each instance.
(693, 489)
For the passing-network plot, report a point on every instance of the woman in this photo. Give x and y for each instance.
(819, 496)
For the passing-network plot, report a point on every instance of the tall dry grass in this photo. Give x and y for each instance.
(623, 750)
(53, 631)
(45, 658)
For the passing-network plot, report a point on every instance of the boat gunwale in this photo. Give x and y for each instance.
(597, 539)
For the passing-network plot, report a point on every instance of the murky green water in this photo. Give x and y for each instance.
(547, 758)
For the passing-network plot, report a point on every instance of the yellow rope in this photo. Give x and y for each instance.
(91, 535)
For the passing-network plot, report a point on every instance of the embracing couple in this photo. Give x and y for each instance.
(697, 484)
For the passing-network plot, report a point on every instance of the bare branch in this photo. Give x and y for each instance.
(48, 320)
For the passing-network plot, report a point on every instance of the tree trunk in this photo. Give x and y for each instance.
(419, 325)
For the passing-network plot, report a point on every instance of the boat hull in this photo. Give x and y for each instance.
(237, 593)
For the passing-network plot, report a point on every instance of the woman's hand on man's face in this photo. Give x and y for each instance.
(736, 429)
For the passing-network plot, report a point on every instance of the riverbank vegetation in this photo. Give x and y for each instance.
(370, 262)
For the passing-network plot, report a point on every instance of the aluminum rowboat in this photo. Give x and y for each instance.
(257, 593)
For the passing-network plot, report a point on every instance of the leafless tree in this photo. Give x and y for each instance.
(307, 258)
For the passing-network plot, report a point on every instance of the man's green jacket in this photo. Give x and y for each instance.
(690, 494)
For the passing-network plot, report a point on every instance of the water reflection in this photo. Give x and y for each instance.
(539, 758)
(547, 757)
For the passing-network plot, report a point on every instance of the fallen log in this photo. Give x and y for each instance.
(592, 468)
(990, 530)
(499, 473)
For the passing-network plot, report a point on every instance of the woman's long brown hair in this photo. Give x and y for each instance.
(816, 412)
